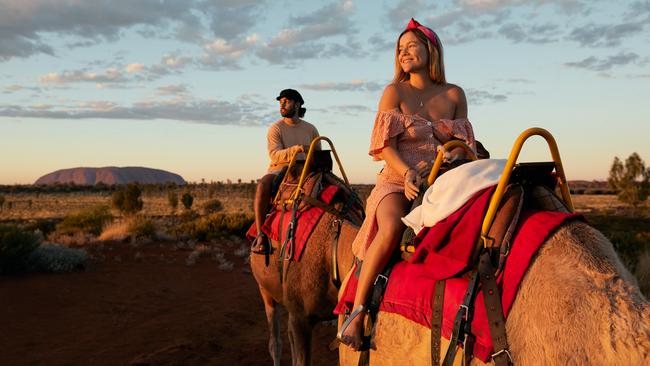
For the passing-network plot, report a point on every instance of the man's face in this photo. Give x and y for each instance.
(288, 107)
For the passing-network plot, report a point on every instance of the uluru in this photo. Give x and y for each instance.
(110, 175)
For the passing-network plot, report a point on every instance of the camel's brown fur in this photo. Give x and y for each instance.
(577, 305)
(307, 292)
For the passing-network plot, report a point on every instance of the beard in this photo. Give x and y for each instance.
(288, 113)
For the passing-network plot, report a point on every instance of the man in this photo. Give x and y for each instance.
(285, 137)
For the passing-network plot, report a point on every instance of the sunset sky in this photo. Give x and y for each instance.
(190, 86)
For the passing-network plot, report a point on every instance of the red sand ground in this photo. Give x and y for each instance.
(144, 309)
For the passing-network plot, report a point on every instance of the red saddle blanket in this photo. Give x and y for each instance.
(443, 253)
(305, 223)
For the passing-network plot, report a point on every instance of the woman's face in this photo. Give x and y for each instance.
(412, 53)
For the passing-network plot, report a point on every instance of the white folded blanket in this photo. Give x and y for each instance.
(451, 190)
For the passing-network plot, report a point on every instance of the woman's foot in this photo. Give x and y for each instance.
(260, 245)
(352, 329)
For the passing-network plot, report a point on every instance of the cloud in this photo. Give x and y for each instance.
(354, 85)
(222, 53)
(110, 75)
(172, 90)
(351, 109)
(303, 40)
(596, 64)
(230, 19)
(26, 25)
(117, 76)
(399, 15)
(14, 88)
(246, 111)
(478, 97)
(606, 35)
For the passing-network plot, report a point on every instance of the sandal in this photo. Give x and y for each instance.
(341, 339)
(261, 244)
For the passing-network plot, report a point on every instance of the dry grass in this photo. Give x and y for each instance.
(117, 231)
(29, 206)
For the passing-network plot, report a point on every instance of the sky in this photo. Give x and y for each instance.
(189, 86)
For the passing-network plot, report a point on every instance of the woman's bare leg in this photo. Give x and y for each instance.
(390, 228)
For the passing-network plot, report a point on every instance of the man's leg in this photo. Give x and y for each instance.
(261, 206)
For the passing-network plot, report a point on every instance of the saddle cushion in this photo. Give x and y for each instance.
(306, 221)
(452, 190)
(411, 284)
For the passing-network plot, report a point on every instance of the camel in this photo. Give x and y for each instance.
(576, 305)
(307, 291)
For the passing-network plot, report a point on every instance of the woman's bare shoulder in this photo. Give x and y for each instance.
(391, 98)
(455, 93)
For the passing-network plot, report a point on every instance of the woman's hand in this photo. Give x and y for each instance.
(412, 183)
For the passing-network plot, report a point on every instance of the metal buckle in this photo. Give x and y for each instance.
(382, 277)
(463, 306)
(499, 353)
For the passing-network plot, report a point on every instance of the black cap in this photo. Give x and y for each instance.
(291, 94)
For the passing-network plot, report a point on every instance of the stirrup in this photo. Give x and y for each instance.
(340, 339)
(265, 244)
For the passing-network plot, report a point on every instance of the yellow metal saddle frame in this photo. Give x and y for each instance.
(297, 193)
(505, 176)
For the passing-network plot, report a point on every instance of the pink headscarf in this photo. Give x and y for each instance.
(430, 34)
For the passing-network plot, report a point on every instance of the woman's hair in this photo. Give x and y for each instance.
(434, 53)
(301, 112)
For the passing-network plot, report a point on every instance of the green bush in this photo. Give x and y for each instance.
(90, 221)
(45, 226)
(212, 206)
(127, 200)
(216, 226)
(57, 259)
(15, 247)
(141, 227)
(187, 199)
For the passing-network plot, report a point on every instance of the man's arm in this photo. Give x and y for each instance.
(277, 152)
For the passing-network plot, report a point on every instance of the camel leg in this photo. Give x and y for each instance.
(273, 320)
(300, 329)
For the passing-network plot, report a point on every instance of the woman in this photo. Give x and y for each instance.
(418, 112)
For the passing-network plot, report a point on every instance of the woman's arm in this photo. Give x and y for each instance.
(457, 96)
(391, 100)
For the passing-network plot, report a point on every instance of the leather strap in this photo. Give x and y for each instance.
(494, 310)
(462, 323)
(436, 321)
(336, 278)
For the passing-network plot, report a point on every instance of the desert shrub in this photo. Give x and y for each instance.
(187, 199)
(57, 259)
(172, 198)
(215, 226)
(16, 245)
(127, 200)
(2, 201)
(115, 231)
(45, 226)
(631, 180)
(629, 235)
(91, 221)
(212, 206)
(141, 227)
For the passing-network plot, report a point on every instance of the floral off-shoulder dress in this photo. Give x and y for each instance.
(417, 140)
